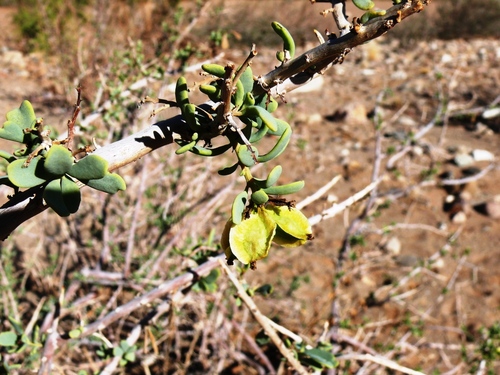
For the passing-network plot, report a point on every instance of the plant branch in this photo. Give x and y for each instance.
(296, 72)
(263, 321)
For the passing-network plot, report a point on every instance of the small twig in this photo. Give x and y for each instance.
(338, 337)
(394, 158)
(318, 193)
(245, 65)
(258, 351)
(164, 288)
(410, 226)
(284, 331)
(186, 31)
(466, 180)
(14, 310)
(262, 320)
(52, 340)
(34, 317)
(380, 361)
(337, 208)
(71, 123)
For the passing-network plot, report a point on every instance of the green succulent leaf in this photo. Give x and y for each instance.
(53, 196)
(4, 180)
(364, 4)
(110, 183)
(117, 351)
(58, 161)
(91, 167)
(245, 156)
(320, 359)
(247, 80)
(71, 194)
(7, 156)
(226, 171)
(251, 239)
(18, 120)
(26, 177)
(17, 325)
(8, 338)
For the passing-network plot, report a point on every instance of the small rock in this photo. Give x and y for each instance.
(407, 121)
(447, 58)
(437, 264)
(459, 218)
(368, 281)
(463, 160)
(315, 118)
(407, 260)
(490, 113)
(332, 198)
(393, 246)
(493, 209)
(417, 151)
(356, 113)
(482, 155)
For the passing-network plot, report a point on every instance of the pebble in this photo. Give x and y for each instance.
(493, 210)
(463, 160)
(356, 113)
(407, 260)
(393, 246)
(482, 155)
(491, 113)
(437, 264)
(459, 218)
(446, 58)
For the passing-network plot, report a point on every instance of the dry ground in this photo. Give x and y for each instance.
(421, 303)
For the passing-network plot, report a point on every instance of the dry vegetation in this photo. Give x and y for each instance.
(407, 275)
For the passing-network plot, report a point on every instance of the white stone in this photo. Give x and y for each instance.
(463, 160)
(393, 246)
(491, 113)
(482, 155)
(459, 218)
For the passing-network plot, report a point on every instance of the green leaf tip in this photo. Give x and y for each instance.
(26, 177)
(8, 338)
(63, 196)
(91, 167)
(110, 183)
(18, 120)
(58, 161)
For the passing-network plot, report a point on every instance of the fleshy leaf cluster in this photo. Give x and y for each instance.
(49, 164)
(242, 111)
